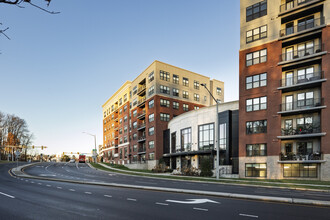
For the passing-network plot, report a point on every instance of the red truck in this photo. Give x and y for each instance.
(82, 158)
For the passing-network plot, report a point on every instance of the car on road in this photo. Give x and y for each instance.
(72, 161)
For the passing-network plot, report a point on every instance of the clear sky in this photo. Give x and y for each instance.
(58, 70)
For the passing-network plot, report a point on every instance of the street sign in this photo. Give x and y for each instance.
(193, 201)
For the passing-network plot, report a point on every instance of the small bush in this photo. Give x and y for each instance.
(206, 167)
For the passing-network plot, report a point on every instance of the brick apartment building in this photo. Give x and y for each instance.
(135, 117)
(284, 108)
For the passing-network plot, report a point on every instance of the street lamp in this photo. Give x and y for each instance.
(216, 132)
(94, 156)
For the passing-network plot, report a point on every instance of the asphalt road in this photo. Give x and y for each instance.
(82, 172)
(22, 198)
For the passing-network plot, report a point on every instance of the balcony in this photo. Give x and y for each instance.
(301, 54)
(301, 131)
(301, 82)
(295, 5)
(302, 28)
(315, 157)
(142, 150)
(301, 106)
(141, 101)
(142, 138)
(142, 114)
(141, 126)
(141, 90)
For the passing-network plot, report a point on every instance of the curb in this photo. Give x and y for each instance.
(19, 173)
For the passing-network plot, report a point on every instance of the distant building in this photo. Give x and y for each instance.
(135, 117)
(191, 136)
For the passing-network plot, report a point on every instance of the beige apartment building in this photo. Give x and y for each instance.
(161, 92)
(284, 108)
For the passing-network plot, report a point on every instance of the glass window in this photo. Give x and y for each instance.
(185, 94)
(164, 89)
(164, 117)
(151, 103)
(256, 170)
(256, 127)
(196, 84)
(185, 107)
(164, 75)
(186, 139)
(256, 57)
(151, 144)
(164, 103)
(256, 34)
(196, 97)
(176, 92)
(185, 81)
(151, 117)
(151, 76)
(151, 131)
(175, 105)
(175, 79)
(206, 137)
(256, 150)
(300, 170)
(223, 136)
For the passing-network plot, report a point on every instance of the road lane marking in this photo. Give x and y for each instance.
(130, 199)
(88, 193)
(39, 183)
(200, 209)
(72, 190)
(59, 187)
(159, 203)
(48, 185)
(107, 196)
(13, 197)
(251, 216)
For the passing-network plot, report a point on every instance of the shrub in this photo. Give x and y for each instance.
(206, 167)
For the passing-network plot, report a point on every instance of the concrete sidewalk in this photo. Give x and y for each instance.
(19, 173)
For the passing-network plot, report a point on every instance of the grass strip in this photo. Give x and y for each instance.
(292, 184)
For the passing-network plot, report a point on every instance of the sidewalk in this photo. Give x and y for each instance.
(213, 180)
(19, 173)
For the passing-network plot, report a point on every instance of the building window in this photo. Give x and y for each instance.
(185, 94)
(125, 118)
(164, 103)
(256, 57)
(206, 137)
(256, 34)
(125, 139)
(305, 99)
(151, 117)
(135, 136)
(256, 127)
(120, 121)
(196, 107)
(186, 139)
(125, 129)
(134, 90)
(120, 111)
(125, 108)
(151, 104)
(151, 90)
(196, 84)
(134, 113)
(256, 11)
(164, 75)
(176, 92)
(135, 102)
(175, 79)
(151, 131)
(120, 101)
(256, 81)
(256, 104)
(300, 170)
(253, 150)
(185, 81)
(120, 130)
(164, 117)
(223, 136)
(164, 89)
(185, 107)
(151, 144)
(175, 105)
(151, 156)
(135, 147)
(151, 76)
(196, 97)
(256, 170)
(219, 91)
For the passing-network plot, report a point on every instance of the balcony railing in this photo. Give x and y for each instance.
(141, 138)
(301, 27)
(301, 104)
(142, 149)
(141, 114)
(302, 129)
(293, 4)
(141, 126)
(141, 101)
(296, 80)
(296, 54)
(141, 89)
(301, 156)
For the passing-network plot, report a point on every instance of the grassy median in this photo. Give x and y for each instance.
(293, 184)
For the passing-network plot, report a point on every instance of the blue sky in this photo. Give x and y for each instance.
(58, 70)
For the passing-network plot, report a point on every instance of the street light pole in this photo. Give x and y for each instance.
(216, 133)
(94, 156)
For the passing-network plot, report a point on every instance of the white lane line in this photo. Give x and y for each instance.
(130, 199)
(251, 216)
(88, 193)
(59, 187)
(72, 190)
(32, 182)
(159, 203)
(200, 209)
(13, 197)
(39, 183)
(107, 196)
(48, 185)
